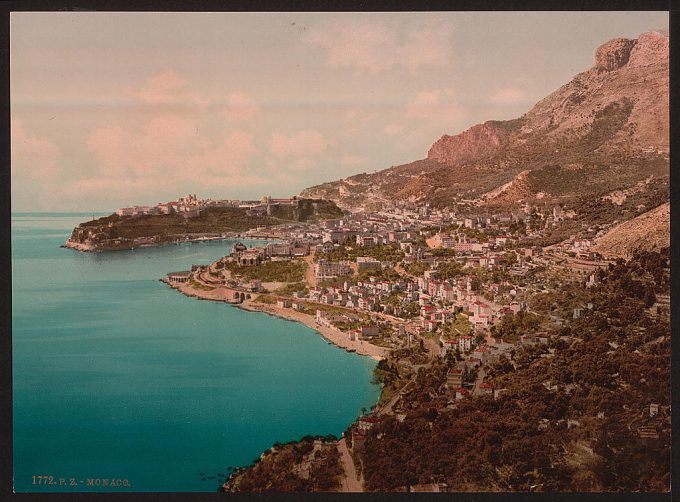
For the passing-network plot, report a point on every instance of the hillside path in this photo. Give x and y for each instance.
(350, 482)
(310, 277)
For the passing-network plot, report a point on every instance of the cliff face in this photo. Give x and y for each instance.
(479, 142)
(614, 54)
(613, 116)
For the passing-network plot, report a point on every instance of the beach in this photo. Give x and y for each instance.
(333, 335)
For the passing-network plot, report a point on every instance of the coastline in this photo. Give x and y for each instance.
(334, 336)
(90, 248)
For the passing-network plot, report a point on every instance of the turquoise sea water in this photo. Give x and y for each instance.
(115, 375)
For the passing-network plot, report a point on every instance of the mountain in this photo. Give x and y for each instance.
(604, 131)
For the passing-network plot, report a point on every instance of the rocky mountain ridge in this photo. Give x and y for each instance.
(605, 130)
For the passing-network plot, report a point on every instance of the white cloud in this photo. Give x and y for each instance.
(376, 46)
(227, 158)
(164, 153)
(164, 147)
(168, 88)
(240, 106)
(306, 143)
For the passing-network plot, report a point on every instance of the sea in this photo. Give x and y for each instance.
(122, 384)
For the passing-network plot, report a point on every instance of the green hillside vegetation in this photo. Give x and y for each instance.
(308, 210)
(271, 271)
(289, 289)
(387, 252)
(417, 268)
(512, 327)
(212, 220)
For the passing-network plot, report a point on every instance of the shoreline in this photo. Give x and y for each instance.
(338, 338)
(89, 248)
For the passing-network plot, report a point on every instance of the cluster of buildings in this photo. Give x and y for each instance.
(191, 206)
(252, 256)
(430, 301)
(369, 296)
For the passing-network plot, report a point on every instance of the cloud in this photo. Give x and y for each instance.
(163, 153)
(376, 46)
(227, 158)
(162, 143)
(306, 143)
(508, 96)
(168, 88)
(33, 155)
(171, 146)
(240, 106)
(436, 104)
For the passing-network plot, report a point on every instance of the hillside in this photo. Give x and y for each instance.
(589, 410)
(605, 130)
(650, 232)
(572, 416)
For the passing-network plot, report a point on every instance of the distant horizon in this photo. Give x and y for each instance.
(116, 109)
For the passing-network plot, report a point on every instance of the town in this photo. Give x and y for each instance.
(417, 287)
(190, 206)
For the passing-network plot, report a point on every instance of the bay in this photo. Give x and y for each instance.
(117, 376)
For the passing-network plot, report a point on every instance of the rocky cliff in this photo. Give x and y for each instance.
(477, 143)
(605, 130)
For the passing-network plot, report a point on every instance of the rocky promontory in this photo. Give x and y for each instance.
(117, 232)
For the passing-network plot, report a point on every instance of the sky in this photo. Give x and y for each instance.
(116, 109)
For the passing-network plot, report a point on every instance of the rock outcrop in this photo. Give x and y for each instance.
(479, 142)
(614, 54)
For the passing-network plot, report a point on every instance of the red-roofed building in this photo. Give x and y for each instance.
(475, 362)
(486, 388)
(367, 423)
(482, 353)
(454, 379)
